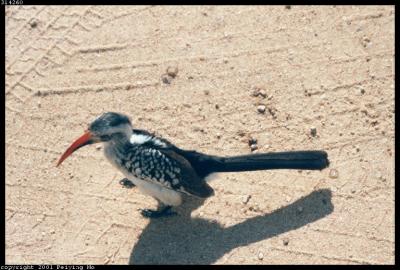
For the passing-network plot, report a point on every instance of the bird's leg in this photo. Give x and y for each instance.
(127, 183)
(162, 210)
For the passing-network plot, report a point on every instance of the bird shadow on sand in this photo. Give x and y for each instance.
(182, 239)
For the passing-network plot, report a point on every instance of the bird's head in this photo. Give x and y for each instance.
(108, 126)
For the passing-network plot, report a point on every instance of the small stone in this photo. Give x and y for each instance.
(262, 93)
(216, 106)
(246, 199)
(254, 93)
(172, 71)
(52, 231)
(300, 209)
(333, 173)
(313, 131)
(288, 7)
(206, 92)
(166, 78)
(202, 59)
(253, 147)
(33, 24)
(362, 91)
(39, 104)
(98, 147)
(353, 191)
(261, 108)
(190, 77)
(366, 39)
(285, 241)
(218, 135)
(260, 256)
(252, 141)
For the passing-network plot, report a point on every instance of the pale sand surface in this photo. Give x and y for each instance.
(328, 67)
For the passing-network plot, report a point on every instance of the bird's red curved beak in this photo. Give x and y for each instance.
(85, 139)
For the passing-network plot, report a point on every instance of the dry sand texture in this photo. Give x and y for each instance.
(328, 67)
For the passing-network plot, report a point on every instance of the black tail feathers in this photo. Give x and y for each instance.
(300, 160)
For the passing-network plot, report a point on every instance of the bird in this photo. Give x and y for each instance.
(164, 171)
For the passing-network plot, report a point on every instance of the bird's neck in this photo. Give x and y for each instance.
(120, 140)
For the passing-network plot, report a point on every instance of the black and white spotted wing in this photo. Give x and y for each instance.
(153, 159)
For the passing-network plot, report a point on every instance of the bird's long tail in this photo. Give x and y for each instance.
(301, 160)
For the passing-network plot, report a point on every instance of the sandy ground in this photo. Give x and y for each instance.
(329, 67)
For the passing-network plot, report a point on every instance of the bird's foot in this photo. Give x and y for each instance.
(127, 183)
(149, 213)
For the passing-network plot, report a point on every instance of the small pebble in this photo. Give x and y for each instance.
(313, 131)
(206, 92)
(288, 7)
(262, 93)
(259, 91)
(166, 78)
(98, 147)
(261, 108)
(246, 199)
(216, 106)
(366, 39)
(260, 256)
(300, 209)
(33, 24)
(333, 173)
(285, 241)
(253, 147)
(172, 71)
(252, 141)
(39, 104)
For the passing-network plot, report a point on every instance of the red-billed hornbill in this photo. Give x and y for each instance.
(162, 170)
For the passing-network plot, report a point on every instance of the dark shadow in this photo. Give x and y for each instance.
(185, 240)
